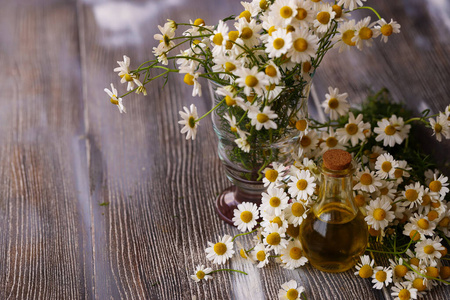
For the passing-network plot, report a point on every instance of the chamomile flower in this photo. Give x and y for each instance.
(290, 291)
(367, 181)
(353, 130)
(335, 104)
(364, 269)
(421, 224)
(274, 174)
(387, 191)
(427, 250)
(379, 214)
(201, 273)
(273, 72)
(403, 291)
(278, 43)
(413, 193)
(401, 171)
(274, 201)
(272, 218)
(305, 14)
(246, 216)
(387, 29)
(114, 99)
(302, 185)
(399, 270)
(296, 213)
(346, 32)
(260, 254)
(283, 11)
(219, 37)
(221, 251)
(274, 237)
(304, 46)
(242, 142)
(391, 132)
(230, 98)
(248, 32)
(165, 37)
(418, 282)
(385, 166)
(364, 33)
(330, 141)
(325, 15)
(125, 75)
(263, 118)
(381, 276)
(192, 79)
(189, 120)
(308, 143)
(251, 80)
(350, 4)
(292, 256)
(439, 186)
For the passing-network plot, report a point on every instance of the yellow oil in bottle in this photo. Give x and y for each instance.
(334, 237)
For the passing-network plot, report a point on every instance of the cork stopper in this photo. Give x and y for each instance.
(336, 159)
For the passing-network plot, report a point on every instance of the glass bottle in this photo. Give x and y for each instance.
(334, 233)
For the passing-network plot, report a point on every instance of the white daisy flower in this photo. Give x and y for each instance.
(401, 171)
(350, 4)
(429, 175)
(325, 15)
(274, 174)
(346, 32)
(242, 142)
(304, 46)
(165, 37)
(260, 254)
(387, 191)
(382, 276)
(292, 256)
(305, 14)
(419, 283)
(248, 32)
(275, 219)
(353, 130)
(125, 75)
(413, 193)
(251, 80)
(192, 79)
(385, 166)
(274, 201)
(308, 143)
(367, 181)
(364, 269)
(330, 141)
(225, 63)
(403, 291)
(364, 33)
(282, 12)
(114, 99)
(387, 29)
(427, 250)
(399, 270)
(421, 224)
(439, 186)
(335, 104)
(230, 98)
(278, 43)
(290, 291)
(246, 216)
(392, 131)
(219, 38)
(273, 72)
(189, 120)
(221, 251)
(263, 118)
(274, 237)
(379, 214)
(201, 273)
(302, 185)
(296, 212)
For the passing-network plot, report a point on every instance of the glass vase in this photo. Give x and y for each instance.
(245, 170)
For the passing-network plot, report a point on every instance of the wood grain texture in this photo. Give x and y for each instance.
(98, 205)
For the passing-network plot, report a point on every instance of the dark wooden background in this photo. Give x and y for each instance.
(65, 150)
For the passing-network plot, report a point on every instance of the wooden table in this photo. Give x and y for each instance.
(65, 152)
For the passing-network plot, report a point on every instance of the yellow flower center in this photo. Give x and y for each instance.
(261, 255)
(233, 35)
(200, 274)
(301, 125)
(292, 294)
(365, 271)
(432, 215)
(306, 67)
(263, 4)
(351, 128)
(251, 81)
(386, 29)
(398, 173)
(381, 276)
(245, 14)
(331, 142)
(191, 122)
(297, 209)
(305, 142)
(220, 248)
(300, 45)
(271, 71)
(277, 221)
(414, 235)
(114, 100)
(302, 184)
(366, 179)
(229, 66)
(278, 43)
(384, 191)
(347, 37)
(423, 223)
(418, 284)
(426, 199)
(414, 261)
(379, 214)
(444, 272)
(365, 33)
(273, 239)
(390, 130)
(428, 249)
(338, 10)
(262, 118)
(333, 103)
(295, 253)
(435, 204)
(246, 216)
(435, 186)
(360, 200)
(218, 39)
(271, 175)
(272, 30)
(444, 222)
(229, 101)
(251, 98)
(411, 195)
(246, 33)
(323, 17)
(199, 22)
(386, 166)
(293, 231)
(437, 128)
(189, 79)
(286, 12)
(404, 294)
(243, 254)
(301, 14)
(274, 201)
(400, 271)
(290, 28)
(432, 271)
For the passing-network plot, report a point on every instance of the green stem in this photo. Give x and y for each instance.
(370, 8)
(227, 270)
(211, 110)
(424, 275)
(245, 233)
